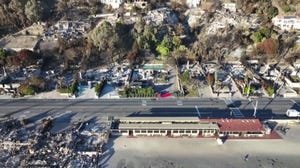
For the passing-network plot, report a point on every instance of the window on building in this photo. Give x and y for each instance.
(143, 131)
(124, 131)
(150, 131)
(194, 131)
(175, 131)
(188, 131)
(156, 131)
(137, 131)
(162, 131)
(181, 131)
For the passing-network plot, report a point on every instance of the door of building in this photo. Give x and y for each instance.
(168, 132)
(130, 133)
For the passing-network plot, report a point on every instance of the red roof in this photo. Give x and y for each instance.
(238, 125)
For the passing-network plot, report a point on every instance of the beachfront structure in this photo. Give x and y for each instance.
(287, 22)
(165, 126)
(188, 126)
(239, 127)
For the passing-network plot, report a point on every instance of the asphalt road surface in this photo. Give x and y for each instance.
(204, 108)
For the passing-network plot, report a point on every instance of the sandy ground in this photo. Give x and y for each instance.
(108, 92)
(162, 152)
(49, 95)
(87, 93)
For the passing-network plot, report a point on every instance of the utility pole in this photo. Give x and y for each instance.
(254, 106)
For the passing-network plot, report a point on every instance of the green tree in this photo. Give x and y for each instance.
(168, 42)
(272, 12)
(286, 8)
(26, 90)
(38, 83)
(176, 41)
(147, 39)
(185, 76)
(261, 34)
(99, 87)
(74, 87)
(2, 54)
(102, 36)
(270, 91)
(33, 11)
(162, 50)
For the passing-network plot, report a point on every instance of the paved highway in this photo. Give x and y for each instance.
(204, 108)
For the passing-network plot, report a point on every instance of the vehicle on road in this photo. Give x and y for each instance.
(292, 113)
(164, 94)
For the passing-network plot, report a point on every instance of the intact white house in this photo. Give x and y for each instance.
(193, 3)
(113, 3)
(287, 22)
(230, 6)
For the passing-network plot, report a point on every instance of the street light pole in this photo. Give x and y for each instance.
(254, 106)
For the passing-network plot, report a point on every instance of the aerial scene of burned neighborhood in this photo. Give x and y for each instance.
(149, 83)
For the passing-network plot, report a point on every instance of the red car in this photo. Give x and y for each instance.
(165, 95)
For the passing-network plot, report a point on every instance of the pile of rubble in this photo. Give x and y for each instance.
(34, 145)
(224, 18)
(161, 16)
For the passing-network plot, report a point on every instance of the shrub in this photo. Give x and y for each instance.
(286, 8)
(139, 92)
(64, 90)
(74, 87)
(185, 76)
(98, 88)
(270, 91)
(273, 11)
(26, 90)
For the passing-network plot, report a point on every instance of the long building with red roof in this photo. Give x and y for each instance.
(190, 126)
(239, 127)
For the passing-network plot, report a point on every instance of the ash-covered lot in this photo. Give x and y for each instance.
(52, 140)
(158, 152)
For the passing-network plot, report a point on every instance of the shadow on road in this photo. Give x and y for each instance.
(109, 151)
(62, 122)
(20, 110)
(39, 116)
(208, 113)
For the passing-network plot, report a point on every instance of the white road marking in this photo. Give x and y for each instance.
(179, 103)
(237, 113)
(295, 102)
(196, 107)
(144, 103)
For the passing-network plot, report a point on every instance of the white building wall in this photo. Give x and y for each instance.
(287, 22)
(193, 3)
(230, 6)
(291, 84)
(113, 3)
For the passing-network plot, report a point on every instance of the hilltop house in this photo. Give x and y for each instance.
(193, 3)
(115, 4)
(287, 22)
(229, 6)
